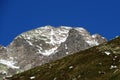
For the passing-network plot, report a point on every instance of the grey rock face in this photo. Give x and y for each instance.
(25, 54)
(75, 42)
(41, 45)
(32, 48)
(5, 63)
(3, 52)
(99, 38)
(3, 55)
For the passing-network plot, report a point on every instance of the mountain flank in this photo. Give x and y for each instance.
(100, 62)
(43, 45)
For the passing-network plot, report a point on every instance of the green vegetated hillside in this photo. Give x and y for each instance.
(97, 63)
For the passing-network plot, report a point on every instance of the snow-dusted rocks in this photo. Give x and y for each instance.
(35, 47)
(9, 64)
(78, 39)
(43, 44)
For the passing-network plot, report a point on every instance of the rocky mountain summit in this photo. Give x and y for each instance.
(42, 45)
(100, 62)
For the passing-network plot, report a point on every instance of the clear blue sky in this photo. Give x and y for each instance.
(97, 16)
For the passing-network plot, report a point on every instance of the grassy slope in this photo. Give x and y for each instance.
(91, 64)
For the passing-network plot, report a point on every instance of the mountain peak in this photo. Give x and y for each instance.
(48, 38)
(97, 63)
(44, 44)
(73, 32)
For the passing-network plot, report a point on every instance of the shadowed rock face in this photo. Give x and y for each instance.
(3, 52)
(99, 38)
(41, 45)
(75, 42)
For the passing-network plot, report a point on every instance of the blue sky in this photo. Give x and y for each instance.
(97, 16)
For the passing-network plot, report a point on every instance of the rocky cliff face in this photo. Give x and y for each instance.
(41, 45)
(77, 40)
(74, 43)
(3, 55)
(3, 52)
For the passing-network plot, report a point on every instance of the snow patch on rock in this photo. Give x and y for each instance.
(107, 52)
(92, 42)
(9, 63)
(48, 52)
